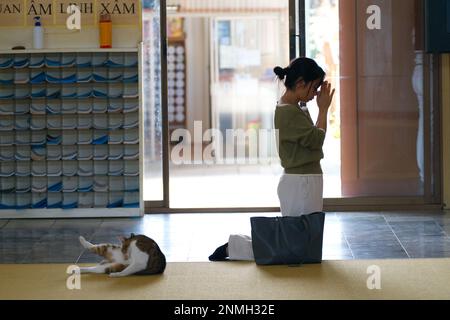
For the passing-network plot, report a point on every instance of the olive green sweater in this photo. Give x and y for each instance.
(299, 140)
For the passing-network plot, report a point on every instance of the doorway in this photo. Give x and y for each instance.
(219, 92)
(232, 55)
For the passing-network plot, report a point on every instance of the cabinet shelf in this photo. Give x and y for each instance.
(70, 133)
(92, 82)
(68, 98)
(69, 50)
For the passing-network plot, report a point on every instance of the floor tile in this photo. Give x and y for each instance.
(122, 223)
(77, 224)
(104, 238)
(372, 219)
(361, 224)
(66, 239)
(176, 258)
(30, 223)
(106, 229)
(337, 250)
(442, 221)
(69, 259)
(367, 229)
(333, 239)
(193, 237)
(54, 252)
(330, 215)
(360, 237)
(361, 216)
(27, 234)
(416, 229)
(413, 216)
(332, 227)
(12, 258)
(431, 247)
(378, 250)
(198, 259)
(333, 257)
(88, 257)
(16, 244)
(197, 252)
(3, 223)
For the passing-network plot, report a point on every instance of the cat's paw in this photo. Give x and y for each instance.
(82, 241)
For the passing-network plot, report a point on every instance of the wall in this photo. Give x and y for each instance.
(446, 129)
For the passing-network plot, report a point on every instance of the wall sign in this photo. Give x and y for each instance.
(12, 13)
(87, 10)
(122, 12)
(19, 13)
(42, 8)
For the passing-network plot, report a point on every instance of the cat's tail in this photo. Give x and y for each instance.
(86, 244)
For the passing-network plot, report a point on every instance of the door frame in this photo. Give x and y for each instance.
(432, 200)
(164, 203)
(297, 44)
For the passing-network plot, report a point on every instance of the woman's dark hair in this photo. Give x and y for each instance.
(305, 69)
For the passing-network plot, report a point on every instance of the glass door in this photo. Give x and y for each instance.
(222, 94)
(210, 94)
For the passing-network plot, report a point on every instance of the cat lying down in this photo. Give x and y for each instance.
(138, 255)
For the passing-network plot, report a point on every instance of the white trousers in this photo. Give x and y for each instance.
(298, 194)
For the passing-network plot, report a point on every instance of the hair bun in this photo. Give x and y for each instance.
(280, 72)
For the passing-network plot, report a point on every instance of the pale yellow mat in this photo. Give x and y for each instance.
(389, 279)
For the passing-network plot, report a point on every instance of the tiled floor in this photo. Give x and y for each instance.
(193, 237)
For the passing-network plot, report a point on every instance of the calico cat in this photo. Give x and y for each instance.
(138, 255)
